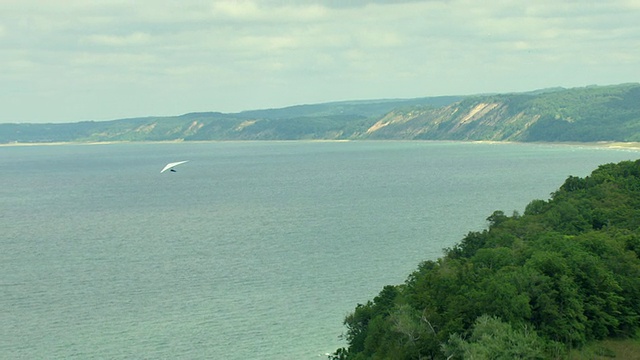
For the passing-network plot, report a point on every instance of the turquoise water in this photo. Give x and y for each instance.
(252, 250)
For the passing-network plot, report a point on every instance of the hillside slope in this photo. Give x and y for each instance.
(337, 120)
(596, 113)
(610, 113)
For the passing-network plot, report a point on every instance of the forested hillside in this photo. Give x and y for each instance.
(595, 113)
(531, 286)
(337, 120)
(610, 113)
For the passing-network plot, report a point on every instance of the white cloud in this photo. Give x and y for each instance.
(137, 38)
(236, 55)
(254, 11)
(117, 60)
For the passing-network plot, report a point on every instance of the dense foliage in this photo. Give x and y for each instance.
(531, 286)
(588, 114)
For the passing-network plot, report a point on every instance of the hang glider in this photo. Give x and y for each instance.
(170, 166)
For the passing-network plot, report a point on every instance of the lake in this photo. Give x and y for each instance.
(251, 250)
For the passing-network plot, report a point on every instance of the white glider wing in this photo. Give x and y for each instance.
(171, 165)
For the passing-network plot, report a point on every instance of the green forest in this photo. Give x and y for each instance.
(538, 285)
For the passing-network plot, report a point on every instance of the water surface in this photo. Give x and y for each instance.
(252, 250)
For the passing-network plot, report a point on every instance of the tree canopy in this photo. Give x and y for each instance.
(530, 286)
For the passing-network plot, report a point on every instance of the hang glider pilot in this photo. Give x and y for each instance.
(170, 166)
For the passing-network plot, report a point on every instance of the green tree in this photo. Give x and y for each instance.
(568, 268)
(492, 338)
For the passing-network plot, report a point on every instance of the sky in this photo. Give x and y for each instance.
(79, 60)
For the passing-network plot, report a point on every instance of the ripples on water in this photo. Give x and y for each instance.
(249, 251)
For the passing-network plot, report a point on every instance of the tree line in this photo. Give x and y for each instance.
(564, 273)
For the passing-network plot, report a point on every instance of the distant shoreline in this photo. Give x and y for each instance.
(598, 144)
(58, 143)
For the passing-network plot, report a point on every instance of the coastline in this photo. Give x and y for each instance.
(597, 144)
(59, 143)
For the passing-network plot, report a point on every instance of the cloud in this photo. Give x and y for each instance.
(237, 55)
(118, 60)
(137, 38)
